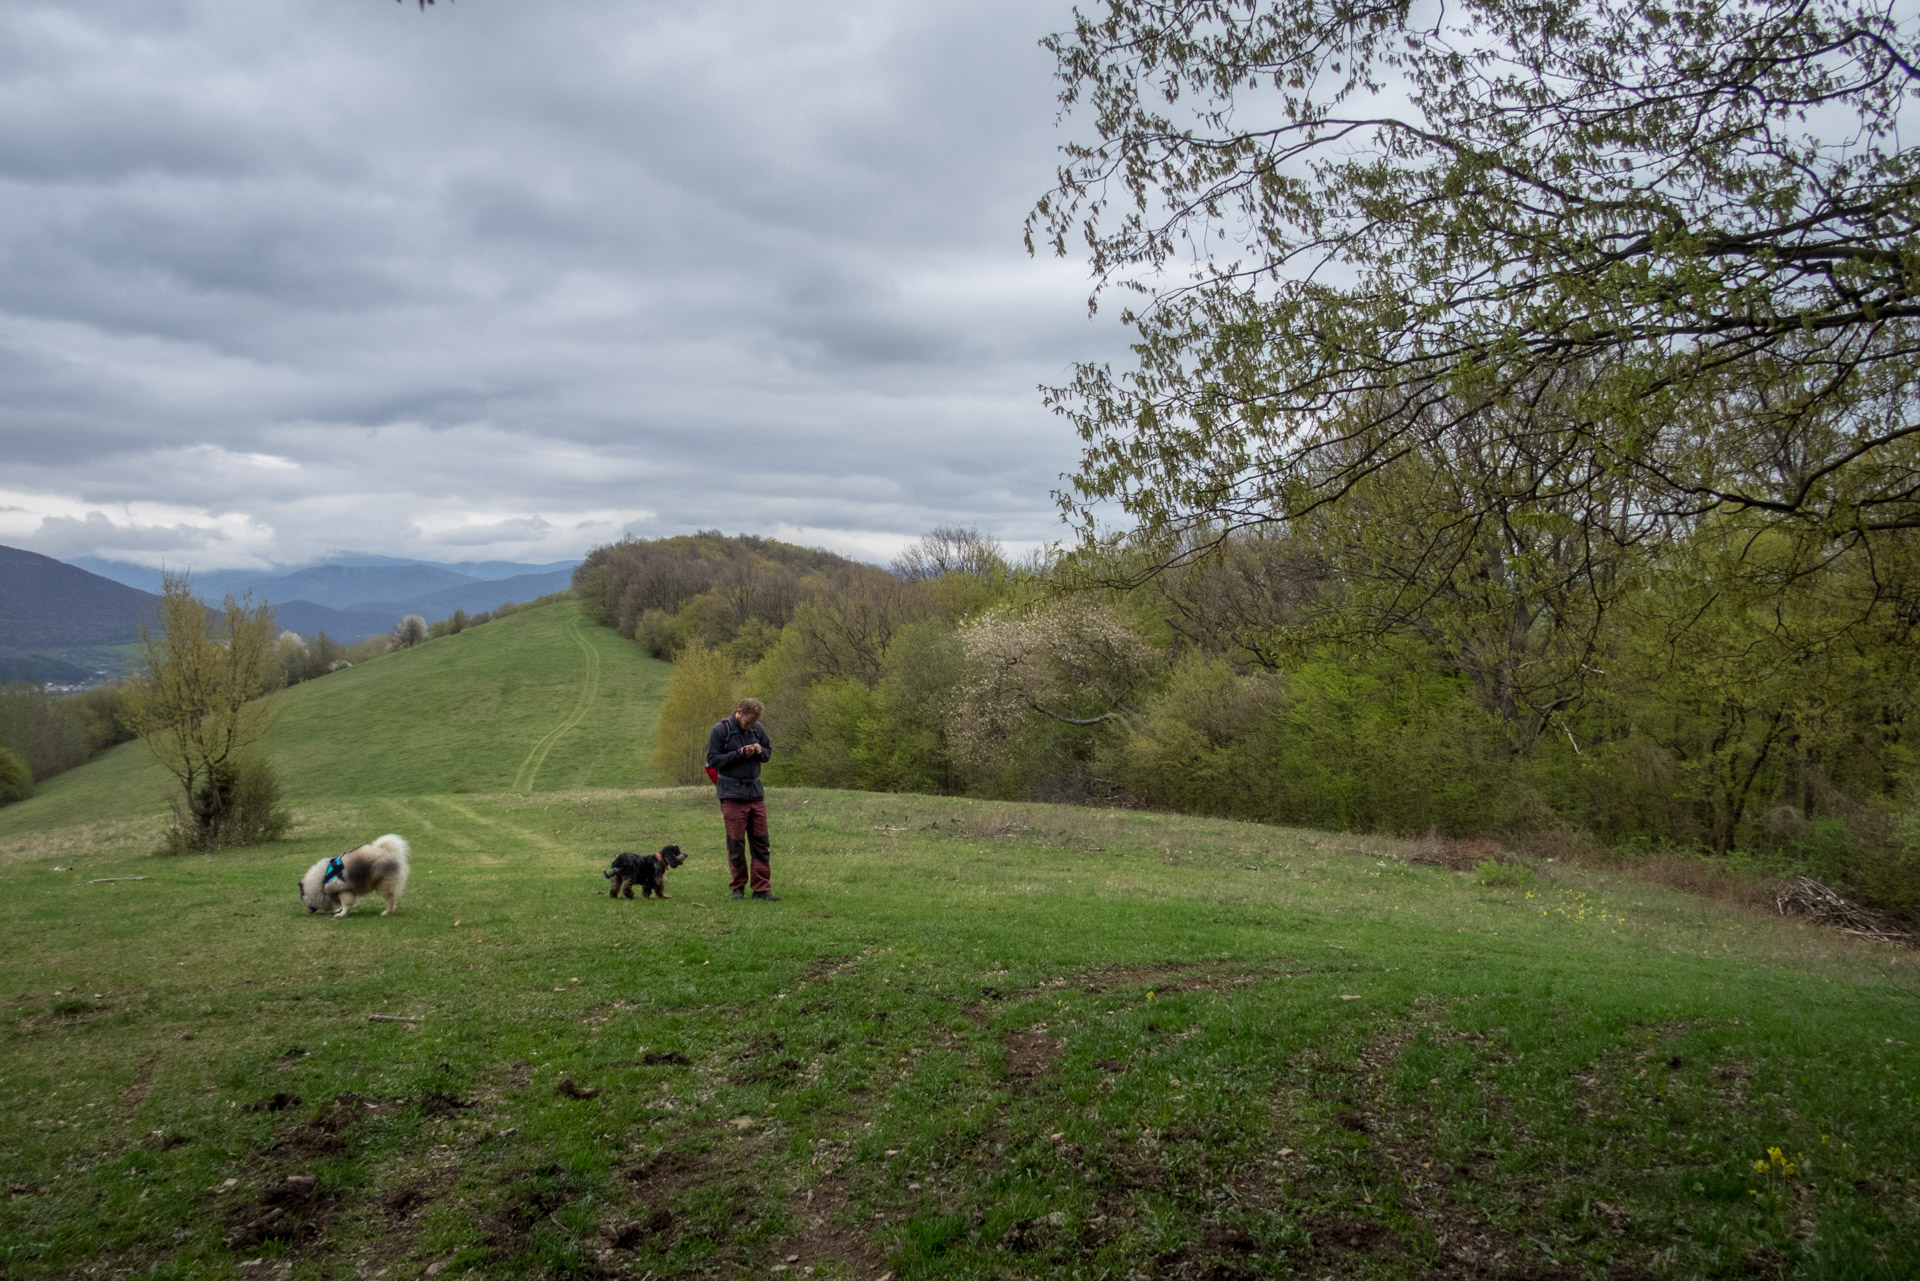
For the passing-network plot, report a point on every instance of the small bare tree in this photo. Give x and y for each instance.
(195, 699)
(951, 549)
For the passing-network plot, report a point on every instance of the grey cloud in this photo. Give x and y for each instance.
(523, 529)
(529, 273)
(96, 535)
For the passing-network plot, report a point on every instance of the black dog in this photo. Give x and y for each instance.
(648, 871)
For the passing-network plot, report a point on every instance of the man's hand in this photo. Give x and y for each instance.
(751, 749)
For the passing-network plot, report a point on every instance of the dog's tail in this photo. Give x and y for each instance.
(396, 848)
(609, 874)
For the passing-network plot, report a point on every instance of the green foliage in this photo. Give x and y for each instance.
(1568, 249)
(839, 716)
(906, 740)
(700, 693)
(16, 780)
(1511, 876)
(1378, 667)
(56, 732)
(196, 699)
(1206, 743)
(1386, 746)
(247, 810)
(1644, 496)
(745, 577)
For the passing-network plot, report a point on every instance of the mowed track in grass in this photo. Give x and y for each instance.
(975, 1040)
(538, 700)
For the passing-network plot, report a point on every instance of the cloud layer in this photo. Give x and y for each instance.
(504, 280)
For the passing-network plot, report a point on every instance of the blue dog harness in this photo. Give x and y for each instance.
(336, 869)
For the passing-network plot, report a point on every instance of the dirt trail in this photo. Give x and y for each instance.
(523, 778)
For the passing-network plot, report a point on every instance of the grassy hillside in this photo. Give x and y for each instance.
(975, 1040)
(536, 701)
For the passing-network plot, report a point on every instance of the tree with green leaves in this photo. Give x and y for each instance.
(701, 692)
(196, 699)
(16, 780)
(1665, 255)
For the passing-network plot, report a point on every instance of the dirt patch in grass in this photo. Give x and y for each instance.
(1031, 1055)
(1434, 850)
(1178, 976)
(279, 1102)
(665, 1058)
(764, 1062)
(1222, 1252)
(822, 968)
(441, 1103)
(292, 1210)
(136, 1091)
(635, 1233)
(660, 1178)
(323, 1134)
(827, 1232)
(700, 1185)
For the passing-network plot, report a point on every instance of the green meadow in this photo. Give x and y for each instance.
(976, 1039)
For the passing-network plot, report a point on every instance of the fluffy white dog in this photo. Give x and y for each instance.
(335, 884)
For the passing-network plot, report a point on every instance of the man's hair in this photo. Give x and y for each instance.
(753, 707)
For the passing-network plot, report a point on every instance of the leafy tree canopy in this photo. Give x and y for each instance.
(1628, 263)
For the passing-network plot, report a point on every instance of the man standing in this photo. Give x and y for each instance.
(736, 748)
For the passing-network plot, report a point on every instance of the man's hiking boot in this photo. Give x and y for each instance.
(739, 894)
(767, 896)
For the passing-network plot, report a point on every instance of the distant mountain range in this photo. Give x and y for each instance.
(46, 604)
(344, 582)
(50, 610)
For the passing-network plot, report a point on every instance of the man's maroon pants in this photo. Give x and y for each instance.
(747, 825)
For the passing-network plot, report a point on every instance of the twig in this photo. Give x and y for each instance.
(688, 900)
(393, 1018)
(102, 880)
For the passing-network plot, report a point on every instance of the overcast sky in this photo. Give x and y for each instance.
(286, 278)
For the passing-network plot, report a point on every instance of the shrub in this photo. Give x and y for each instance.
(239, 805)
(1503, 875)
(254, 811)
(409, 631)
(16, 780)
(838, 713)
(700, 692)
(1045, 688)
(1386, 746)
(905, 744)
(1205, 744)
(654, 632)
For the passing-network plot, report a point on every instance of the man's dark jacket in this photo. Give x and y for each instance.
(739, 775)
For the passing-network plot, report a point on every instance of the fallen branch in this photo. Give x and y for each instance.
(103, 880)
(393, 1018)
(1804, 896)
